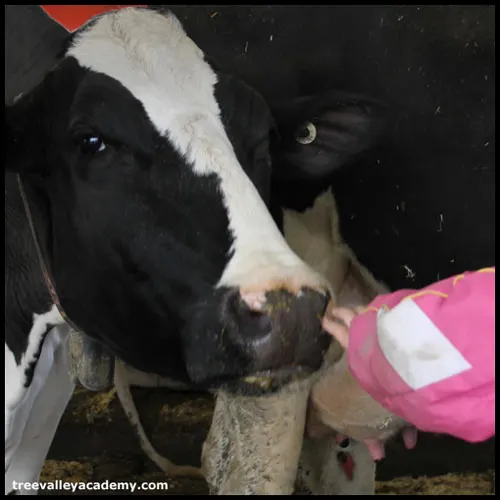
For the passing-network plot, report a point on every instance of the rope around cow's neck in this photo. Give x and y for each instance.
(45, 272)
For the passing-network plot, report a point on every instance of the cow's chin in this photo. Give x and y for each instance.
(267, 382)
(263, 382)
(246, 374)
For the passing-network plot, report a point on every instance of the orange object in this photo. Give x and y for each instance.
(72, 17)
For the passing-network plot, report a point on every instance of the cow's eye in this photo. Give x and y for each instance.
(91, 144)
(306, 133)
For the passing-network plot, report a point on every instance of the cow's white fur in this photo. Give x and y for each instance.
(32, 413)
(321, 473)
(150, 55)
(315, 236)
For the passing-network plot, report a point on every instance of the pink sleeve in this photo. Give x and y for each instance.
(428, 356)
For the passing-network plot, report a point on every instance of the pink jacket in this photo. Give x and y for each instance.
(428, 356)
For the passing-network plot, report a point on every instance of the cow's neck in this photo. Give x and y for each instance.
(26, 291)
(40, 215)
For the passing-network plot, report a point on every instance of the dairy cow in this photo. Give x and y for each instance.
(138, 178)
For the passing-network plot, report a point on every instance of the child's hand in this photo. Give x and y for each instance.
(336, 322)
(331, 322)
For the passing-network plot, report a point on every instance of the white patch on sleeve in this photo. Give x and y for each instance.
(416, 349)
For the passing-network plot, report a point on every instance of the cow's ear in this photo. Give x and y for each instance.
(22, 138)
(318, 135)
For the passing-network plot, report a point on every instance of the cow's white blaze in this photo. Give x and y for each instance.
(150, 55)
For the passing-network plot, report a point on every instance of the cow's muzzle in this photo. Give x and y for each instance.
(267, 341)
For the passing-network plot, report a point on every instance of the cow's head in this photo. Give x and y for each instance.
(155, 169)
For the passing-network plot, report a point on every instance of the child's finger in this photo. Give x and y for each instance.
(360, 309)
(337, 330)
(410, 437)
(343, 313)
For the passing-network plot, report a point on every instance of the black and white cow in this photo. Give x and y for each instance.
(148, 172)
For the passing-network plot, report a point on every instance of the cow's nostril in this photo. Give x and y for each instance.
(251, 324)
(252, 315)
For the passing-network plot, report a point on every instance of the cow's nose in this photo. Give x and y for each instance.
(280, 331)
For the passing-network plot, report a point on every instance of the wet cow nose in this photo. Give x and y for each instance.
(281, 330)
